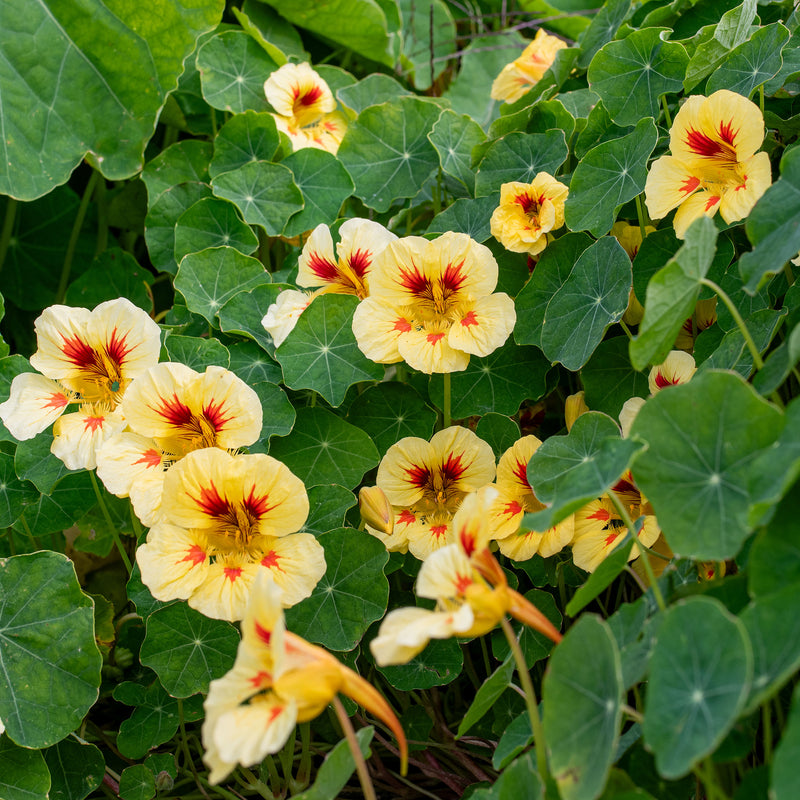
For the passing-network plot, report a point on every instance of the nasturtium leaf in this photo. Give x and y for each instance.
(195, 352)
(630, 75)
(49, 662)
(602, 29)
(387, 152)
(187, 650)
(114, 273)
(499, 382)
(635, 635)
(500, 431)
(548, 115)
(76, 769)
(700, 673)
(672, 293)
(599, 128)
(159, 225)
(428, 38)
(520, 157)
(752, 63)
(212, 222)
(279, 413)
(209, 278)
(454, 135)
(137, 783)
(140, 595)
(582, 699)
(351, 595)
(243, 313)
(655, 250)
(23, 773)
(34, 462)
(609, 379)
(467, 216)
(779, 364)
(321, 352)
(15, 494)
(74, 95)
(325, 185)
(265, 193)
(438, 664)
(785, 783)
(182, 162)
(772, 226)
(323, 448)
(487, 695)
(608, 570)
(569, 471)
(391, 411)
(552, 270)
(609, 175)
(534, 645)
(274, 33)
(251, 136)
(63, 506)
(373, 89)
(594, 295)
(329, 503)
(233, 69)
(702, 438)
(252, 364)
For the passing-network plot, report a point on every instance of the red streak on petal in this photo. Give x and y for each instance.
(117, 347)
(662, 380)
(526, 201)
(512, 509)
(453, 468)
(742, 185)
(270, 560)
(418, 476)
(601, 514)
(402, 325)
(93, 423)
(256, 505)
(521, 473)
(610, 538)
(325, 270)
(212, 503)
(360, 262)
(726, 132)
(56, 400)
(689, 185)
(453, 278)
(214, 412)
(196, 555)
(78, 352)
(711, 202)
(150, 457)
(263, 633)
(704, 145)
(274, 713)
(406, 517)
(413, 280)
(462, 582)
(232, 573)
(625, 486)
(433, 338)
(467, 542)
(470, 319)
(174, 411)
(438, 530)
(309, 97)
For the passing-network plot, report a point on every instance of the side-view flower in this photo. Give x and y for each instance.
(522, 73)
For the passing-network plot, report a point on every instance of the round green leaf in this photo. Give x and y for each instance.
(438, 664)
(211, 222)
(500, 382)
(582, 699)
(137, 783)
(594, 295)
(195, 352)
(329, 503)
(608, 176)
(535, 646)
(785, 777)
(323, 448)
(325, 185)
(252, 364)
(76, 769)
(702, 437)
(390, 411)
(233, 69)
(454, 135)
(630, 75)
(500, 431)
(279, 413)
(247, 137)
(387, 152)
(373, 89)
(183, 162)
(351, 595)
(34, 462)
(15, 494)
(466, 215)
(114, 273)
(700, 673)
(265, 193)
(519, 157)
(23, 773)
(599, 128)
(208, 279)
(62, 507)
(602, 28)
(609, 379)
(321, 351)
(187, 650)
(49, 662)
(243, 313)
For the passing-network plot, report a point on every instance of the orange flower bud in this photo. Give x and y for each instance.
(375, 508)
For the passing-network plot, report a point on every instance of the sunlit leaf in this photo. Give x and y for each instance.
(454, 136)
(212, 222)
(329, 503)
(369, 91)
(467, 216)
(246, 137)
(195, 352)
(243, 313)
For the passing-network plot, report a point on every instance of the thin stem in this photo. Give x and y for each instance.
(766, 731)
(184, 745)
(446, 410)
(11, 546)
(29, 533)
(626, 329)
(530, 699)
(113, 528)
(73, 238)
(641, 216)
(667, 116)
(787, 271)
(648, 567)
(632, 713)
(101, 200)
(304, 769)
(355, 750)
(8, 228)
(761, 98)
(135, 524)
(705, 771)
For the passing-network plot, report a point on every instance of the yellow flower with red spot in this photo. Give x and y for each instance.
(431, 304)
(277, 680)
(528, 212)
(713, 164)
(224, 519)
(521, 74)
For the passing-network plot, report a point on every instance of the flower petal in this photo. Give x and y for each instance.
(34, 403)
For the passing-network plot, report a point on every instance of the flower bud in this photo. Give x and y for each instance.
(376, 510)
(574, 407)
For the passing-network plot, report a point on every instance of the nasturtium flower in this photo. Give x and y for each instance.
(431, 304)
(305, 108)
(704, 316)
(171, 410)
(277, 680)
(224, 519)
(599, 529)
(469, 588)
(528, 212)
(630, 237)
(88, 358)
(426, 481)
(282, 315)
(515, 498)
(713, 164)
(521, 74)
(574, 406)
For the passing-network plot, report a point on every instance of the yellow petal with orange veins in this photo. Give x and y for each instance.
(471, 523)
(34, 403)
(296, 563)
(510, 84)
(78, 436)
(524, 544)
(484, 325)
(326, 133)
(703, 203)
(669, 182)
(445, 574)
(426, 536)
(730, 117)
(429, 351)
(753, 178)
(173, 561)
(317, 264)
(377, 327)
(298, 92)
(538, 56)
(226, 589)
(405, 471)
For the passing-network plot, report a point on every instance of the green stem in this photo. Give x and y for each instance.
(667, 116)
(530, 699)
(707, 775)
(136, 524)
(626, 329)
(766, 731)
(761, 98)
(29, 533)
(8, 228)
(648, 567)
(223, 792)
(112, 527)
(304, 769)
(446, 410)
(100, 199)
(787, 271)
(73, 238)
(355, 750)
(184, 745)
(641, 215)
(213, 122)
(722, 294)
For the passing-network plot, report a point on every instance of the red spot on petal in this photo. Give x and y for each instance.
(150, 457)
(462, 582)
(433, 338)
(626, 487)
(93, 424)
(260, 679)
(689, 185)
(195, 554)
(56, 400)
(257, 505)
(438, 530)
(512, 509)
(80, 353)
(406, 517)
(232, 573)
(402, 325)
(726, 132)
(470, 319)
(610, 538)
(711, 202)
(274, 713)
(270, 560)
(601, 514)
(706, 146)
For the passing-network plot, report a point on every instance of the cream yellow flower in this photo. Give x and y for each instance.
(282, 315)
(521, 74)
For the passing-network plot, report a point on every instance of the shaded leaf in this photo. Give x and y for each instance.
(211, 222)
(23, 773)
(76, 769)
(247, 137)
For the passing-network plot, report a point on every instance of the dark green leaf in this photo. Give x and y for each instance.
(210, 223)
(244, 138)
(76, 770)
(23, 773)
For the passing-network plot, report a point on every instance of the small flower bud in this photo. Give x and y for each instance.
(164, 782)
(376, 510)
(574, 407)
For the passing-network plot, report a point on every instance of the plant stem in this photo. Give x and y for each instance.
(626, 329)
(641, 215)
(29, 533)
(530, 699)
(135, 524)
(184, 745)
(100, 198)
(355, 750)
(766, 731)
(114, 533)
(73, 238)
(304, 769)
(446, 410)
(761, 98)
(8, 228)
(667, 116)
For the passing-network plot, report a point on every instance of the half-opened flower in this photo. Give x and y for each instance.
(528, 212)
(282, 315)
(521, 74)
(87, 358)
(224, 519)
(516, 498)
(714, 165)
(277, 680)
(426, 481)
(431, 304)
